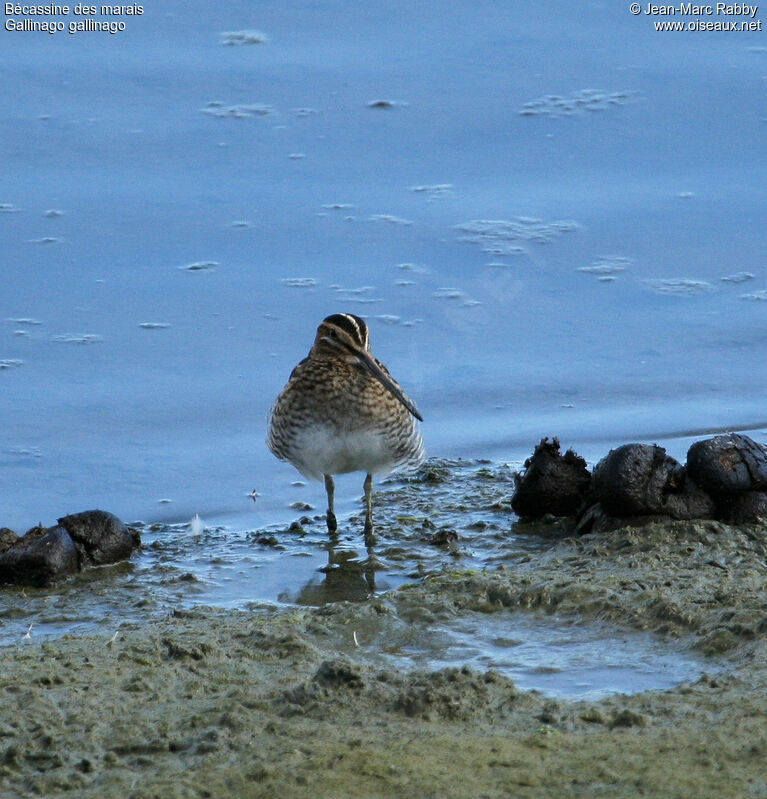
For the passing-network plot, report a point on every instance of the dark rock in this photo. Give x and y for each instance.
(100, 537)
(40, 557)
(728, 464)
(747, 508)
(641, 480)
(551, 483)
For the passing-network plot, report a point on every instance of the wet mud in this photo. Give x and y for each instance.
(293, 701)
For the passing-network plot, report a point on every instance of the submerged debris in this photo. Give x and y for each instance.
(200, 266)
(554, 105)
(78, 338)
(236, 38)
(679, 285)
(215, 108)
(502, 237)
(756, 295)
(607, 265)
(385, 103)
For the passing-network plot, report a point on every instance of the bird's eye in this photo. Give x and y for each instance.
(333, 334)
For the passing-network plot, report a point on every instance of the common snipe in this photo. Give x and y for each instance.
(341, 411)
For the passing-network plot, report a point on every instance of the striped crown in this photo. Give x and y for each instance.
(352, 325)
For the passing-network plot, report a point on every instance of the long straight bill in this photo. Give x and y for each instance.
(369, 363)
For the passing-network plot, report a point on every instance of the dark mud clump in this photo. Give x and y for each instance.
(725, 478)
(40, 557)
(728, 464)
(550, 483)
(733, 468)
(44, 555)
(642, 480)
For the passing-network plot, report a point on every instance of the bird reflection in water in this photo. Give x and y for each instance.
(345, 578)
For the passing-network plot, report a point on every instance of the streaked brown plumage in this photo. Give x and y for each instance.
(341, 411)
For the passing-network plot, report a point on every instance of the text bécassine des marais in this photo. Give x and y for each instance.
(62, 11)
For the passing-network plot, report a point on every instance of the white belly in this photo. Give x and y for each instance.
(320, 451)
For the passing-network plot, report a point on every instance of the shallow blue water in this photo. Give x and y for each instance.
(551, 655)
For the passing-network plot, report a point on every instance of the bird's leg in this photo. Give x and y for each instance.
(369, 534)
(331, 516)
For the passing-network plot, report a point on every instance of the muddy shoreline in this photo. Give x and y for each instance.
(275, 702)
